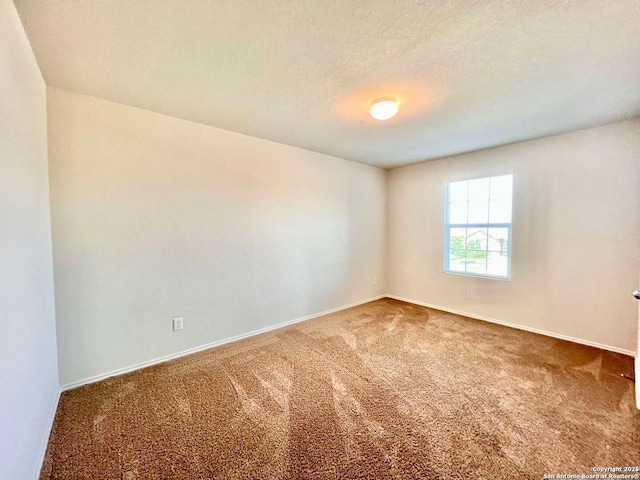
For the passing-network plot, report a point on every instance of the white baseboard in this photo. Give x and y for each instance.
(44, 443)
(623, 351)
(138, 366)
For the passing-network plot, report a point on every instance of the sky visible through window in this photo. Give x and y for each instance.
(478, 226)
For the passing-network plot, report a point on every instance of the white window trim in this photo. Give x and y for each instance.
(448, 226)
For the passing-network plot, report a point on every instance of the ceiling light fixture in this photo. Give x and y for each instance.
(384, 108)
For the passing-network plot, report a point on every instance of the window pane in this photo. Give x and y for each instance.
(457, 238)
(479, 211)
(500, 211)
(477, 265)
(457, 261)
(458, 212)
(497, 264)
(476, 239)
(498, 240)
(479, 190)
(501, 187)
(458, 191)
(485, 249)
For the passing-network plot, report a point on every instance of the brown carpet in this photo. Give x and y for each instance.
(383, 390)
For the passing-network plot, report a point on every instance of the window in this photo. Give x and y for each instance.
(477, 238)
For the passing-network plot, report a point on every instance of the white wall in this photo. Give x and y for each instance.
(28, 366)
(576, 234)
(156, 217)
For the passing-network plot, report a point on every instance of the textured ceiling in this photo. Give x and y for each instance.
(468, 74)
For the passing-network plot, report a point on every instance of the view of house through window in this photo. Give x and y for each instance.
(478, 227)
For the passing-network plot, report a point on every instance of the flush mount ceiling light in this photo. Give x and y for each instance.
(384, 108)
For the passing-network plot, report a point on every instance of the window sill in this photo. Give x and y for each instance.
(479, 275)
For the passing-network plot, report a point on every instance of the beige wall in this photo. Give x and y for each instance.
(156, 217)
(28, 366)
(576, 235)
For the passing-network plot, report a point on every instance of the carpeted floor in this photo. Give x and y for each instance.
(383, 390)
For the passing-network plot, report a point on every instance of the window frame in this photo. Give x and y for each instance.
(448, 226)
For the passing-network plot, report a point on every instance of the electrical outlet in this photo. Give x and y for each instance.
(469, 293)
(178, 323)
(375, 281)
